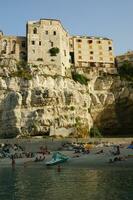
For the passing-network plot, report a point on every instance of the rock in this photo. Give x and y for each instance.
(49, 100)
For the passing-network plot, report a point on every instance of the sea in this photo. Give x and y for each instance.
(41, 183)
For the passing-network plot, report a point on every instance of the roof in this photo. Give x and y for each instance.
(91, 37)
(49, 20)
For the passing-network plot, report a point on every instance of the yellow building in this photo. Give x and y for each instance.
(91, 51)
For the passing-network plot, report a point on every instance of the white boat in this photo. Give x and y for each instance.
(57, 158)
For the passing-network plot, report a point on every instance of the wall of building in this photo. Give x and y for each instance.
(90, 51)
(13, 47)
(41, 37)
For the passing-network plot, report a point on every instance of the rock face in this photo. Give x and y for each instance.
(52, 104)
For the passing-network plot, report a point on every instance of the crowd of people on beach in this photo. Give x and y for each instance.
(16, 151)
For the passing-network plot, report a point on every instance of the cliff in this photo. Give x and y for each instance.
(37, 100)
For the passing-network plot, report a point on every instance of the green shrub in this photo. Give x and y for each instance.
(39, 59)
(22, 74)
(54, 51)
(126, 71)
(80, 78)
(94, 132)
(72, 108)
(22, 64)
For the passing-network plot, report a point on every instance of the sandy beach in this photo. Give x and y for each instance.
(96, 158)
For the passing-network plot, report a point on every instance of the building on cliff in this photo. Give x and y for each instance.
(48, 43)
(13, 47)
(91, 51)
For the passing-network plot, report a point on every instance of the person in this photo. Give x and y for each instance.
(118, 150)
(13, 161)
(59, 168)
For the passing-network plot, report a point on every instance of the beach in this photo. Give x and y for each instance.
(99, 156)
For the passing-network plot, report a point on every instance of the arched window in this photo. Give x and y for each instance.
(4, 46)
(13, 47)
(35, 31)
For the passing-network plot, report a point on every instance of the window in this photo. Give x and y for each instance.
(91, 52)
(46, 32)
(39, 43)
(110, 48)
(23, 44)
(78, 40)
(90, 41)
(111, 59)
(79, 45)
(54, 33)
(33, 42)
(80, 57)
(109, 42)
(72, 57)
(98, 42)
(52, 44)
(91, 57)
(64, 52)
(100, 58)
(92, 64)
(35, 31)
(33, 51)
(79, 51)
(4, 46)
(13, 46)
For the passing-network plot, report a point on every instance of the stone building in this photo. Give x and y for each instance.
(128, 56)
(48, 43)
(91, 51)
(13, 47)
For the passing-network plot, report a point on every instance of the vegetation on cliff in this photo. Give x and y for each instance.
(23, 71)
(94, 132)
(80, 78)
(126, 71)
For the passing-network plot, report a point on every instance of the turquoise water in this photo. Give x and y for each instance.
(38, 183)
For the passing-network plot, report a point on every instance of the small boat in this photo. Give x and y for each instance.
(130, 146)
(57, 158)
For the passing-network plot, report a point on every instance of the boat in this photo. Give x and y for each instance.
(57, 158)
(130, 146)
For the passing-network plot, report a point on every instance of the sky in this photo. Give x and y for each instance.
(105, 18)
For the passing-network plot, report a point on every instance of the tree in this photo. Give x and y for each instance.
(54, 51)
(126, 70)
(94, 132)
